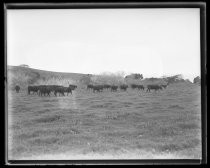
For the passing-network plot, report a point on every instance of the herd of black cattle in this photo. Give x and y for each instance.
(113, 88)
(46, 90)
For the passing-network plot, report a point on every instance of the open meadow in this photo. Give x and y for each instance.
(105, 81)
(128, 124)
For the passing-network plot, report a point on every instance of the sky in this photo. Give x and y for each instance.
(153, 42)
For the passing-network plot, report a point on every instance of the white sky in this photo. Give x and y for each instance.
(153, 42)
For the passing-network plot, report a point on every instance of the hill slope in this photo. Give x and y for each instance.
(24, 76)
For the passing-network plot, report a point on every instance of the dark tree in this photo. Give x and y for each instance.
(197, 80)
(24, 65)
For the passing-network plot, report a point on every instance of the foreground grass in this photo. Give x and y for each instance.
(107, 125)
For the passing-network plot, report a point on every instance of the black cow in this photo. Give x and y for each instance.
(123, 87)
(153, 87)
(73, 87)
(106, 86)
(33, 89)
(89, 87)
(140, 87)
(133, 86)
(53, 88)
(164, 86)
(114, 88)
(98, 88)
(68, 90)
(17, 88)
(60, 90)
(44, 90)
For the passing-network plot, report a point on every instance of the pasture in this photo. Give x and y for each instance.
(128, 124)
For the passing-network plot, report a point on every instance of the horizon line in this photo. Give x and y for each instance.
(126, 73)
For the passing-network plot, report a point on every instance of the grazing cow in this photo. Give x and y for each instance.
(106, 86)
(17, 88)
(164, 86)
(60, 90)
(154, 87)
(98, 88)
(44, 90)
(140, 87)
(114, 88)
(68, 90)
(73, 87)
(33, 89)
(123, 87)
(89, 87)
(53, 88)
(133, 86)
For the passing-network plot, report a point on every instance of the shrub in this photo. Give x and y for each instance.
(174, 79)
(24, 65)
(17, 79)
(86, 79)
(108, 78)
(55, 81)
(197, 80)
(135, 76)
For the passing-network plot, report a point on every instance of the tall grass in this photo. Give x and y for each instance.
(23, 80)
(17, 79)
(55, 81)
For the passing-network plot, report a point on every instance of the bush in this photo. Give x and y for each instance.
(55, 81)
(108, 78)
(17, 79)
(197, 80)
(86, 79)
(174, 79)
(24, 65)
(135, 76)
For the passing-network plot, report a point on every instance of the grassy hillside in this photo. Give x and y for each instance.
(25, 76)
(108, 125)
(131, 124)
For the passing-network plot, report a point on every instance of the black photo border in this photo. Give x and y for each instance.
(118, 5)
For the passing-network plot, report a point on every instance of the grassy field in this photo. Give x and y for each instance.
(107, 125)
